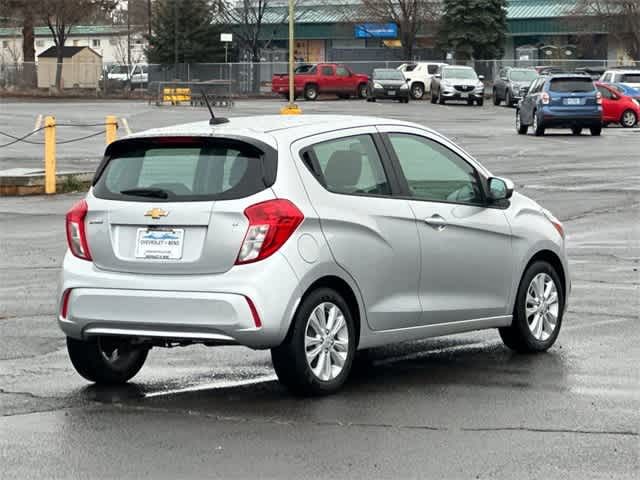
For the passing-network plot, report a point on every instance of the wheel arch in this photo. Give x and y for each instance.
(341, 286)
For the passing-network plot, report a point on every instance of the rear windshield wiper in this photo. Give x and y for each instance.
(147, 192)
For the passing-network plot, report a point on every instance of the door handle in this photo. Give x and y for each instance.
(437, 222)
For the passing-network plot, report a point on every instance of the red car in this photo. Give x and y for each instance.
(617, 107)
(322, 78)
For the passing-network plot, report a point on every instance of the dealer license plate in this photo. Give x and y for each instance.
(159, 243)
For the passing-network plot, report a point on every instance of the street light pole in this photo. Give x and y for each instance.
(291, 108)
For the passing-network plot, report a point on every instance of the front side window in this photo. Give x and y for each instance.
(351, 165)
(605, 92)
(327, 71)
(342, 72)
(435, 173)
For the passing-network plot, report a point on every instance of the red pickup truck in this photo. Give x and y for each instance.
(313, 80)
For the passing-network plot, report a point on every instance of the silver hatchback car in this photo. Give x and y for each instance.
(312, 236)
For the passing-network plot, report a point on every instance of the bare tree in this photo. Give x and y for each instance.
(622, 18)
(409, 15)
(61, 15)
(24, 12)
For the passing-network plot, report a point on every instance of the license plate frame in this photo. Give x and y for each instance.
(391, 93)
(464, 95)
(573, 101)
(159, 243)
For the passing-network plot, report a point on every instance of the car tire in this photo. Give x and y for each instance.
(538, 126)
(417, 91)
(496, 99)
(576, 130)
(520, 127)
(535, 326)
(595, 131)
(470, 102)
(480, 102)
(311, 92)
(508, 101)
(296, 366)
(629, 119)
(363, 90)
(106, 360)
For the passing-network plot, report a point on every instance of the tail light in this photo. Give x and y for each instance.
(271, 223)
(545, 98)
(599, 98)
(76, 234)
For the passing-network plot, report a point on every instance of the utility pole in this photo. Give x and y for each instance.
(291, 108)
(149, 17)
(129, 35)
(175, 36)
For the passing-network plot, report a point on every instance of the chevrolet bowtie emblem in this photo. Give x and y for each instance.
(156, 213)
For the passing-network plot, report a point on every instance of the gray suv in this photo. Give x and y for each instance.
(312, 236)
(512, 85)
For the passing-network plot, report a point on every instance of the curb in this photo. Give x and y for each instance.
(28, 181)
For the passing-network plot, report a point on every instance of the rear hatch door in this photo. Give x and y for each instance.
(175, 205)
(573, 93)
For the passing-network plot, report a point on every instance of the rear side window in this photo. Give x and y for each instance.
(351, 165)
(182, 170)
(630, 78)
(571, 85)
(432, 69)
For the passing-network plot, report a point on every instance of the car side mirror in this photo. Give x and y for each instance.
(480, 77)
(500, 188)
(437, 75)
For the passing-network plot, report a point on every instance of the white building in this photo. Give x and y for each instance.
(110, 41)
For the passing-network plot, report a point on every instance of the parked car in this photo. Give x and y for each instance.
(387, 83)
(312, 236)
(457, 83)
(560, 101)
(630, 77)
(419, 75)
(136, 75)
(324, 78)
(618, 107)
(512, 84)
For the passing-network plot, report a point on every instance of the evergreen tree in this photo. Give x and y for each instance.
(474, 28)
(182, 32)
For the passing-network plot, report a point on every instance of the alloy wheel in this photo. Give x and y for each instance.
(542, 307)
(326, 341)
(629, 119)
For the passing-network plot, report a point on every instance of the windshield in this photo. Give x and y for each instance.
(119, 69)
(523, 75)
(387, 75)
(460, 73)
(571, 85)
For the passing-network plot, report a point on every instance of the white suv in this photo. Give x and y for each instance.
(629, 77)
(419, 76)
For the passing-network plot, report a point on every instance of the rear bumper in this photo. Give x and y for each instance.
(212, 309)
(558, 118)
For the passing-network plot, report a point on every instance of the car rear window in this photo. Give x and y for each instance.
(630, 78)
(182, 169)
(571, 85)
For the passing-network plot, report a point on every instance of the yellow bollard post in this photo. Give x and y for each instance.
(50, 155)
(111, 123)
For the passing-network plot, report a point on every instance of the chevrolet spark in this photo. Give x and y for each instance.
(312, 236)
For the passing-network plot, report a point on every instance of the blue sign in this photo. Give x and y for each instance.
(376, 30)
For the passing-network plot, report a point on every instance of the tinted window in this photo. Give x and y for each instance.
(629, 78)
(305, 69)
(328, 71)
(434, 172)
(605, 92)
(432, 69)
(187, 170)
(351, 165)
(571, 85)
(410, 68)
(342, 72)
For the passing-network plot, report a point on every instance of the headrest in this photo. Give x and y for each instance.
(343, 169)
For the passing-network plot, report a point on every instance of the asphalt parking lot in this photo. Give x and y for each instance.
(454, 407)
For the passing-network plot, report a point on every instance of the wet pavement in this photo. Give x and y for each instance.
(454, 407)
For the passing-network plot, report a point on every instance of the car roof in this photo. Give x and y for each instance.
(458, 66)
(270, 128)
(554, 76)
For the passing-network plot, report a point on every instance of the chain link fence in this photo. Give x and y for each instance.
(239, 79)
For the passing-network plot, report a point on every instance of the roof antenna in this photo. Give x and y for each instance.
(214, 120)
